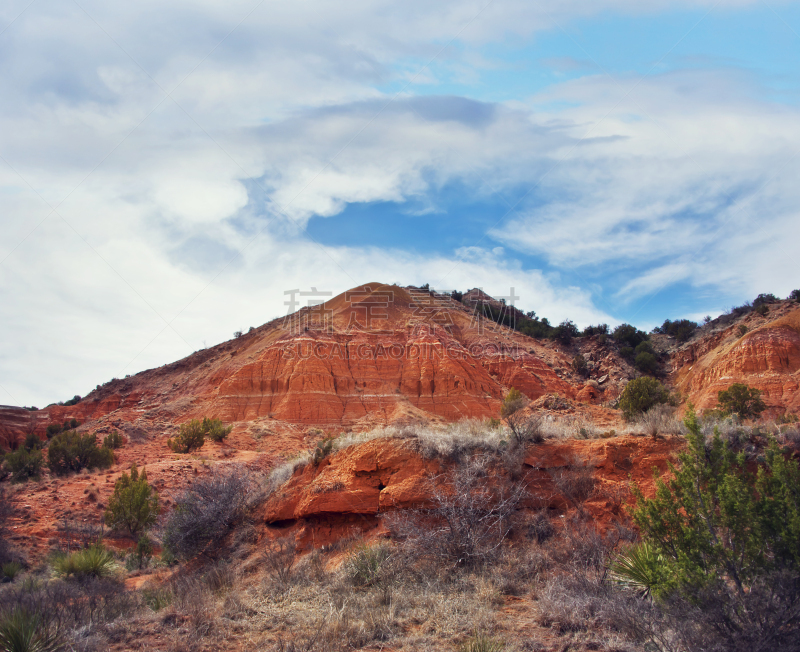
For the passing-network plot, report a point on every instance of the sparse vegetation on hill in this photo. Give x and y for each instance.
(506, 533)
(192, 434)
(681, 329)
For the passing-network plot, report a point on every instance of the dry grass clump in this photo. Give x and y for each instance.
(451, 440)
(460, 439)
(660, 420)
(383, 432)
(749, 437)
(281, 474)
(569, 427)
(63, 614)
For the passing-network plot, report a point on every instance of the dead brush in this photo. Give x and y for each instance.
(539, 528)
(469, 519)
(575, 482)
(192, 603)
(220, 578)
(617, 493)
(525, 427)
(305, 642)
(279, 561)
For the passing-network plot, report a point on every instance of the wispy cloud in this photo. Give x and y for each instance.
(161, 160)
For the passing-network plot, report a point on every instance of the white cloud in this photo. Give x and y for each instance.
(688, 173)
(170, 228)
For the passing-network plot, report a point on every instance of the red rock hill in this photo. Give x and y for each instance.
(375, 354)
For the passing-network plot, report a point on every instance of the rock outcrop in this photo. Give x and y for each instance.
(354, 486)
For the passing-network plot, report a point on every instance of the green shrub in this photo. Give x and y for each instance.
(113, 440)
(322, 449)
(192, 434)
(714, 523)
(523, 428)
(24, 464)
(646, 363)
(513, 401)
(31, 442)
(71, 451)
(601, 329)
(141, 555)
(794, 295)
(94, 561)
(764, 298)
(215, 429)
(134, 503)
(762, 310)
(741, 400)
(565, 331)
(681, 329)
(640, 395)
(53, 429)
(22, 630)
(742, 330)
(627, 335)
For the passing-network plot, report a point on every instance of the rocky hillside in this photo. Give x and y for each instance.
(381, 354)
(762, 351)
(373, 355)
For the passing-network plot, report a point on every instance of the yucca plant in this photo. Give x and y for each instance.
(365, 565)
(642, 568)
(10, 570)
(157, 598)
(92, 561)
(26, 631)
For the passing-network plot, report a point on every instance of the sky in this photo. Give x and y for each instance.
(169, 169)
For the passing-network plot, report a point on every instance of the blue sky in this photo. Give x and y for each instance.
(169, 169)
